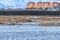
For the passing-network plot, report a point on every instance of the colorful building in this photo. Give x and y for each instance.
(41, 5)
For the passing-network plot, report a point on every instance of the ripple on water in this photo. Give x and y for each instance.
(30, 35)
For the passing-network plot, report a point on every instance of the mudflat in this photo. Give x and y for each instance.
(43, 20)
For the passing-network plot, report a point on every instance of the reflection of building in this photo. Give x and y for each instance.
(42, 5)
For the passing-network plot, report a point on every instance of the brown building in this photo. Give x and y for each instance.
(45, 4)
(41, 5)
(30, 5)
(59, 4)
(38, 5)
(53, 4)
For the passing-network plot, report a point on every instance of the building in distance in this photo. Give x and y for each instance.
(40, 5)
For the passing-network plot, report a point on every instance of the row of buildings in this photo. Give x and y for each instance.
(41, 5)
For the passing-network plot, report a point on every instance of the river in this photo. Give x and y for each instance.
(28, 31)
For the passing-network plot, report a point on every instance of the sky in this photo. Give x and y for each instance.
(20, 3)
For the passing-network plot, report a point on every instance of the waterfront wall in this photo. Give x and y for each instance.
(29, 12)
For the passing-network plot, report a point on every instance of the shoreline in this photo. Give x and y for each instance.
(43, 20)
